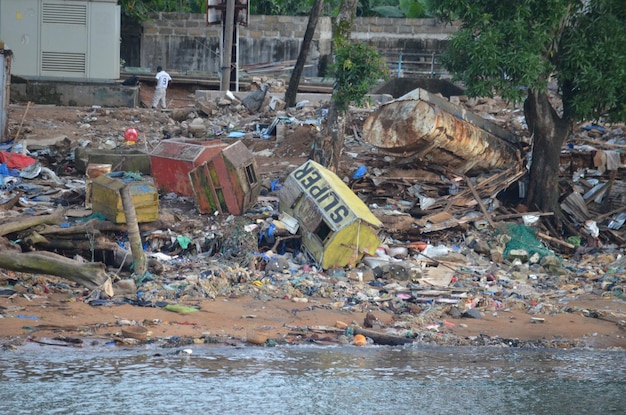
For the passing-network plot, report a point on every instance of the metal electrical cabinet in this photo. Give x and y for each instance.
(62, 39)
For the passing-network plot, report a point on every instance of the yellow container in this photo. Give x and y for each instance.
(336, 227)
(107, 200)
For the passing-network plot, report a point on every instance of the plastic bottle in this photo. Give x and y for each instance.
(435, 251)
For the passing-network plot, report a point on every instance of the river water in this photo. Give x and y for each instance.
(311, 380)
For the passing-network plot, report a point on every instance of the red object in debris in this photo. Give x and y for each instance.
(131, 134)
(419, 245)
(16, 160)
(172, 160)
(220, 177)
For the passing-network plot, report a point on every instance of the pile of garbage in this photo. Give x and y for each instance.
(423, 241)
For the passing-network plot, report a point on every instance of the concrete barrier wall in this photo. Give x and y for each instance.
(184, 43)
(75, 94)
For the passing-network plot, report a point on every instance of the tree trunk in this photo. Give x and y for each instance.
(25, 222)
(549, 132)
(345, 19)
(328, 146)
(294, 81)
(90, 274)
(134, 237)
(336, 131)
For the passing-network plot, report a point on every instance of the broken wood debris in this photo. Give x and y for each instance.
(421, 190)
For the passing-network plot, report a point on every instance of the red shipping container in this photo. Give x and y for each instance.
(172, 160)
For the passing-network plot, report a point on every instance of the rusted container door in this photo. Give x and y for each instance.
(207, 189)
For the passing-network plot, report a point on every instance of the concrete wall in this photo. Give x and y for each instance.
(184, 43)
(75, 93)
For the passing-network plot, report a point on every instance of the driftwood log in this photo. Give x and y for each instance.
(26, 222)
(116, 256)
(93, 227)
(90, 275)
(78, 245)
(381, 338)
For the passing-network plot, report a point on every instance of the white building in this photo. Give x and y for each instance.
(75, 40)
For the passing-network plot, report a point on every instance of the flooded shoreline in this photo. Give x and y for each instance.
(331, 380)
(270, 321)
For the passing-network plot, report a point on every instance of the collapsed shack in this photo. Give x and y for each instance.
(443, 166)
(336, 227)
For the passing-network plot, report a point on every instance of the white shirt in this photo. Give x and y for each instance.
(163, 78)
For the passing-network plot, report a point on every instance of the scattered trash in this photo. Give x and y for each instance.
(178, 308)
(403, 232)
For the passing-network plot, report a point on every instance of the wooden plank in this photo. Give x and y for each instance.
(480, 202)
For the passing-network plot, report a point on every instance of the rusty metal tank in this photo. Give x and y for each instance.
(413, 126)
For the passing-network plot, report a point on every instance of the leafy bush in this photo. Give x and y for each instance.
(357, 68)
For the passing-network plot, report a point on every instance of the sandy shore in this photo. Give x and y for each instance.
(59, 318)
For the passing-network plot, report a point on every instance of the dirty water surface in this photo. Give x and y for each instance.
(308, 379)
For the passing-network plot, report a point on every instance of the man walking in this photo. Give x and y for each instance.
(163, 79)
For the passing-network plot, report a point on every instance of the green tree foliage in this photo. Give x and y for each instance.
(288, 7)
(508, 47)
(412, 9)
(516, 48)
(591, 63)
(139, 9)
(356, 69)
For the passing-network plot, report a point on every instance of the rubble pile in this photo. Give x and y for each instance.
(454, 242)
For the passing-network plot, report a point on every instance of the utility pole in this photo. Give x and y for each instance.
(229, 27)
(294, 81)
